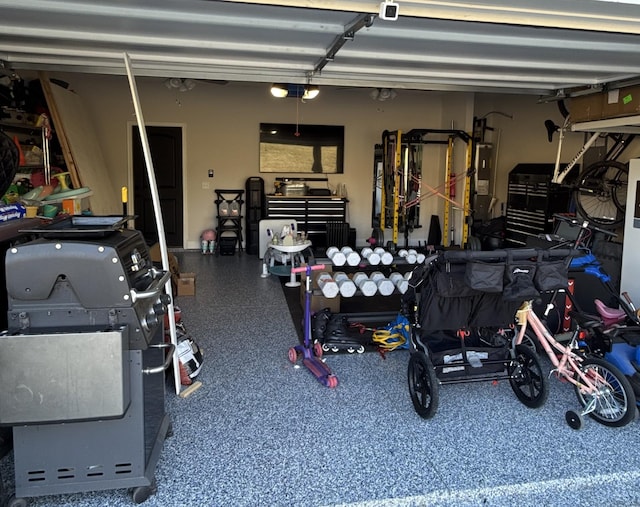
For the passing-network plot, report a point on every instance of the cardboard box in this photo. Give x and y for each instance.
(586, 107)
(319, 301)
(609, 104)
(621, 102)
(72, 206)
(174, 267)
(187, 284)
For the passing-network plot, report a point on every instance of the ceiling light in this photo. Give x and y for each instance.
(279, 90)
(383, 94)
(180, 84)
(310, 92)
(296, 91)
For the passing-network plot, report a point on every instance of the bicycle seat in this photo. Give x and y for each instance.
(610, 316)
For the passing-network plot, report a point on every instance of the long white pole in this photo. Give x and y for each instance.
(151, 175)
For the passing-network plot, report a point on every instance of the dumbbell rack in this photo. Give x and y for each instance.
(229, 217)
(367, 305)
(364, 269)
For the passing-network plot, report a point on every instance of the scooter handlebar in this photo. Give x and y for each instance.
(304, 268)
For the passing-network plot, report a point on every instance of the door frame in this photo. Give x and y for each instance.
(131, 198)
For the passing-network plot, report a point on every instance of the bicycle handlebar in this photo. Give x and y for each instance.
(584, 224)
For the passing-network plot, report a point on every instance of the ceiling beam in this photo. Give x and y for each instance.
(592, 15)
(361, 21)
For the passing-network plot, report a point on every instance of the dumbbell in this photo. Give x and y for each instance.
(328, 285)
(336, 256)
(372, 257)
(384, 285)
(353, 258)
(400, 281)
(420, 257)
(367, 286)
(385, 257)
(410, 256)
(345, 284)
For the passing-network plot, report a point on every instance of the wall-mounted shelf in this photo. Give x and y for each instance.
(621, 125)
(21, 128)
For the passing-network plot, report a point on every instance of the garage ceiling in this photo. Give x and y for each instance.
(539, 47)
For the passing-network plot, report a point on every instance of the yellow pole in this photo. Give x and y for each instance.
(397, 166)
(467, 193)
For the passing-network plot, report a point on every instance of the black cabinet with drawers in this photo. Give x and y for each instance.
(531, 202)
(311, 213)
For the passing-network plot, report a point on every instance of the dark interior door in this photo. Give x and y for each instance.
(165, 144)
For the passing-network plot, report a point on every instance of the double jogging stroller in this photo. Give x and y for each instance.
(462, 304)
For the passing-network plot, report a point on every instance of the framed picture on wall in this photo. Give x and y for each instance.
(291, 148)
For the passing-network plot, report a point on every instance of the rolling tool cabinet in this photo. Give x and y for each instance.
(310, 212)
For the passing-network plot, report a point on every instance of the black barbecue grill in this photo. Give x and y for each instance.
(82, 360)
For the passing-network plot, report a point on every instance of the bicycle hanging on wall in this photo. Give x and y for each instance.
(600, 193)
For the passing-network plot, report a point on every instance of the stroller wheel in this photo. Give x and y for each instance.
(423, 385)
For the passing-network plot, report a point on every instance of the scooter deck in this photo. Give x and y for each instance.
(317, 367)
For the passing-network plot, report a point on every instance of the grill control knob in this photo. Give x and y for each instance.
(151, 320)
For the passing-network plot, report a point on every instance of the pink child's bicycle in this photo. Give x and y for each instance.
(603, 391)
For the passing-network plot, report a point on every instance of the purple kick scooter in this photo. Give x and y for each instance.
(311, 352)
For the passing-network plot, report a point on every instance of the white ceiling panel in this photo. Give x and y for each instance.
(495, 45)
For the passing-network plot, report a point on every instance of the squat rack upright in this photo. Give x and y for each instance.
(402, 181)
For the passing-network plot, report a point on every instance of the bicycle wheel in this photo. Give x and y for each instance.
(601, 192)
(423, 385)
(527, 380)
(614, 400)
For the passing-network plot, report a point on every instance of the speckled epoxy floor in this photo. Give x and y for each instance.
(261, 432)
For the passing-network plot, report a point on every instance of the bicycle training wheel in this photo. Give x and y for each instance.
(601, 192)
(614, 400)
(423, 385)
(526, 377)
